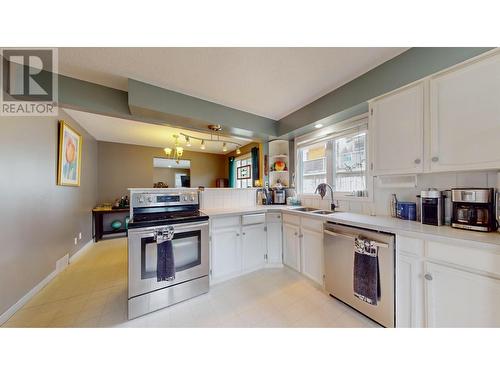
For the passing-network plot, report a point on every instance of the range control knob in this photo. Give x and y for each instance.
(150, 199)
(184, 198)
(141, 199)
(192, 198)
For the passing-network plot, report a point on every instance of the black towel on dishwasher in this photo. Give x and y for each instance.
(366, 271)
(165, 265)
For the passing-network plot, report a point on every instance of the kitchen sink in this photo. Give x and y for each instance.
(322, 212)
(305, 209)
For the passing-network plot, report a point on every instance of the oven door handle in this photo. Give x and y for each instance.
(335, 234)
(178, 228)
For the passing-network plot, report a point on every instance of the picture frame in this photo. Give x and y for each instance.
(243, 173)
(69, 156)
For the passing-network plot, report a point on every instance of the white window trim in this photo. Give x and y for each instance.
(330, 133)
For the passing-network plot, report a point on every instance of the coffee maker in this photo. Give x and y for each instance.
(432, 207)
(474, 209)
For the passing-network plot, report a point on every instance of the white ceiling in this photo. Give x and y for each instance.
(170, 163)
(112, 129)
(271, 82)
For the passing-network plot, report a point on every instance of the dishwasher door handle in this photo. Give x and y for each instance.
(335, 234)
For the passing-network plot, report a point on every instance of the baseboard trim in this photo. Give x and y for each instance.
(80, 252)
(19, 304)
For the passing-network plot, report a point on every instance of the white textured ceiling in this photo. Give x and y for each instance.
(271, 82)
(113, 129)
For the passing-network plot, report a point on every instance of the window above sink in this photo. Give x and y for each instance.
(337, 155)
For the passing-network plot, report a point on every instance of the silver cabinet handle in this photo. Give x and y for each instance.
(301, 235)
(244, 233)
(237, 234)
(295, 233)
(428, 276)
(417, 161)
(435, 159)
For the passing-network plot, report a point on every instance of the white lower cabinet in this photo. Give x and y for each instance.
(446, 285)
(225, 253)
(254, 247)
(312, 254)
(291, 246)
(303, 246)
(409, 291)
(238, 245)
(457, 298)
(274, 240)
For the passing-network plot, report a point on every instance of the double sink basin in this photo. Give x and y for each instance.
(314, 211)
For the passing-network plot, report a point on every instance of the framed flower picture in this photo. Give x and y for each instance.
(69, 156)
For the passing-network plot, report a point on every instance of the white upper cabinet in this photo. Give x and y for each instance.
(465, 117)
(396, 126)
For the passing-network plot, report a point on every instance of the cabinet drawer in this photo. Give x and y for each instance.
(479, 259)
(292, 219)
(273, 217)
(253, 219)
(314, 225)
(410, 245)
(224, 222)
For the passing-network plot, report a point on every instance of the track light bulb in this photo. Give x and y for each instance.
(238, 151)
(202, 146)
(188, 142)
(224, 147)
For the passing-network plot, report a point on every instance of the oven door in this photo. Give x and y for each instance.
(190, 246)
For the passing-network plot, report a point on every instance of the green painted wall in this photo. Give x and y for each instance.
(152, 101)
(351, 98)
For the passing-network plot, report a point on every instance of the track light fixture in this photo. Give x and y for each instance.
(214, 137)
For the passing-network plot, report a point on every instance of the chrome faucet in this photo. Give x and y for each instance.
(321, 189)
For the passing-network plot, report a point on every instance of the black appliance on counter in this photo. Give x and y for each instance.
(474, 209)
(432, 207)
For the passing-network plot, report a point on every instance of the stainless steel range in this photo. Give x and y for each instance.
(153, 211)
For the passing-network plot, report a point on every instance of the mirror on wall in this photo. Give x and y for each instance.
(171, 173)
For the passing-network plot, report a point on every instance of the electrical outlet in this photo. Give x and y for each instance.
(76, 240)
(80, 235)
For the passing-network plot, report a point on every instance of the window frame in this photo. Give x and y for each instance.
(329, 134)
(240, 158)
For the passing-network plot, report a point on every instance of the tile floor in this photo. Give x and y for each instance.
(92, 292)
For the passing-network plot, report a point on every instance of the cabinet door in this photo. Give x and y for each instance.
(396, 126)
(291, 246)
(409, 292)
(274, 244)
(465, 117)
(457, 298)
(225, 253)
(312, 255)
(254, 246)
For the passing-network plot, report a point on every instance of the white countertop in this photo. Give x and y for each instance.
(380, 223)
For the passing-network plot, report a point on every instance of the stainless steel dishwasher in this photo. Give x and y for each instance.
(339, 266)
